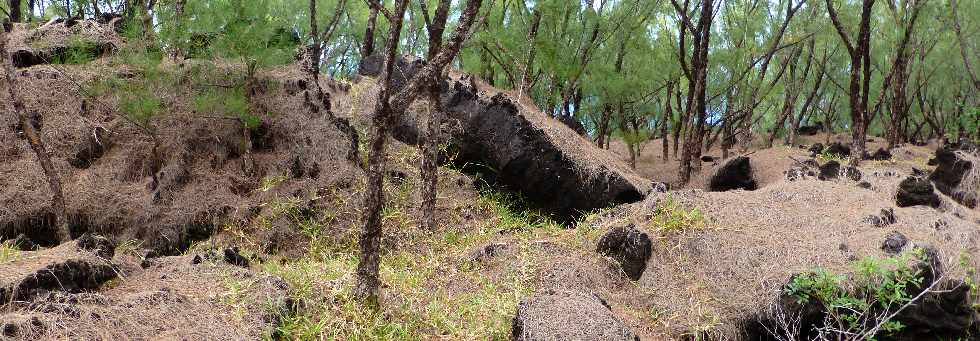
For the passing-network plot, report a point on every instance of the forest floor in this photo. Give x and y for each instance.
(233, 235)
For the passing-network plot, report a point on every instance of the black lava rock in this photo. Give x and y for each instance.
(628, 246)
(915, 191)
(736, 173)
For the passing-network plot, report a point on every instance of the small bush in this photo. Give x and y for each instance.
(672, 216)
(861, 303)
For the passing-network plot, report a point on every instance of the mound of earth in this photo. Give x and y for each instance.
(515, 145)
(61, 41)
(567, 315)
(734, 263)
(171, 188)
(70, 267)
(170, 298)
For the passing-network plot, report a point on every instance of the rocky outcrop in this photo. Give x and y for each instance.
(567, 315)
(517, 147)
(838, 149)
(736, 173)
(71, 267)
(915, 191)
(955, 175)
(628, 246)
(810, 130)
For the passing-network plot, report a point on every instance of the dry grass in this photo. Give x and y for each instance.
(709, 279)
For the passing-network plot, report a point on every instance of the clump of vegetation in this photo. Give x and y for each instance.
(78, 51)
(8, 252)
(670, 216)
(514, 210)
(826, 156)
(864, 303)
(434, 292)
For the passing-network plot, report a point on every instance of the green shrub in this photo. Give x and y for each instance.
(672, 216)
(854, 303)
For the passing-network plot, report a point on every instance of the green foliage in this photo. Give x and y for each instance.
(826, 155)
(78, 51)
(8, 252)
(260, 31)
(853, 301)
(226, 102)
(140, 105)
(671, 216)
(516, 213)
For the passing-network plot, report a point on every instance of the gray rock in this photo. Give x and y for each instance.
(567, 315)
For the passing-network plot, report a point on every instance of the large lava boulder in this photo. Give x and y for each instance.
(956, 177)
(567, 315)
(519, 148)
(915, 191)
(736, 173)
(628, 246)
(945, 313)
(881, 154)
(839, 149)
(72, 267)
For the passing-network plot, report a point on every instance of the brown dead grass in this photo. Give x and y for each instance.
(709, 279)
(171, 299)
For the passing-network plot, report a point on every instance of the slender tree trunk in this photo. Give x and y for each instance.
(368, 282)
(429, 169)
(146, 14)
(30, 10)
(680, 123)
(37, 144)
(367, 45)
(387, 107)
(603, 125)
(668, 117)
(15, 10)
(963, 45)
(859, 86)
(176, 52)
(532, 35)
(697, 99)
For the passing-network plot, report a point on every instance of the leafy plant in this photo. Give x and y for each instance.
(78, 51)
(672, 216)
(8, 252)
(861, 304)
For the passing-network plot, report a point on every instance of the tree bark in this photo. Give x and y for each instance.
(367, 45)
(429, 170)
(387, 107)
(668, 117)
(697, 89)
(37, 144)
(368, 281)
(15, 10)
(859, 83)
(532, 35)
